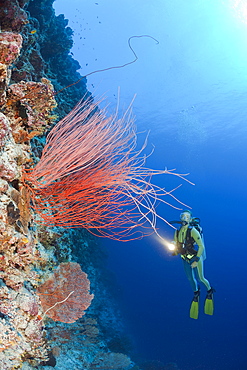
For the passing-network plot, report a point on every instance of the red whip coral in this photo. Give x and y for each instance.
(90, 175)
(65, 295)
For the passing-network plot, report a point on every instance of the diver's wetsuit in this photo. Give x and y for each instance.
(192, 273)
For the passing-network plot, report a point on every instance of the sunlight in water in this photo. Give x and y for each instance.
(240, 9)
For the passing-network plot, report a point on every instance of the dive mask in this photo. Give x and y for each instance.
(185, 218)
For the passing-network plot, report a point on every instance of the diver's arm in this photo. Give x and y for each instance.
(199, 241)
(175, 236)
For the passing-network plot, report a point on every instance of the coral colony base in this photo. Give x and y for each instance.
(89, 175)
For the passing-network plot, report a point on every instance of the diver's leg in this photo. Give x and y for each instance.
(190, 275)
(201, 274)
(209, 301)
(194, 307)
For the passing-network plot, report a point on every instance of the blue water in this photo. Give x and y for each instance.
(192, 96)
(156, 295)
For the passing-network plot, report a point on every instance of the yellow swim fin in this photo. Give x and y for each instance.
(209, 302)
(194, 307)
(209, 307)
(194, 310)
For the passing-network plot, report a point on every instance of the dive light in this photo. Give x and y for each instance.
(171, 246)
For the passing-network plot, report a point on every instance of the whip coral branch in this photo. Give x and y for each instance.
(90, 175)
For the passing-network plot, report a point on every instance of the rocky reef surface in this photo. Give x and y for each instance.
(35, 64)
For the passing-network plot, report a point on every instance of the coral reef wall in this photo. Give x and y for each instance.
(35, 64)
(45, 52)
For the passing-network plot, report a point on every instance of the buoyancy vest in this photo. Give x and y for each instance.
(187, 247)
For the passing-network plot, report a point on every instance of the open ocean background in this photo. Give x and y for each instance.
(192, 95)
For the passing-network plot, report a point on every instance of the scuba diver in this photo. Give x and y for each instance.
(188, 242)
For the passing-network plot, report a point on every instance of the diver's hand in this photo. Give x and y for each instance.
(194, 264)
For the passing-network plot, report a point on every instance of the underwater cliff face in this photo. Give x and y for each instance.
(34, 63)
(22, 332)
(45, 49)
